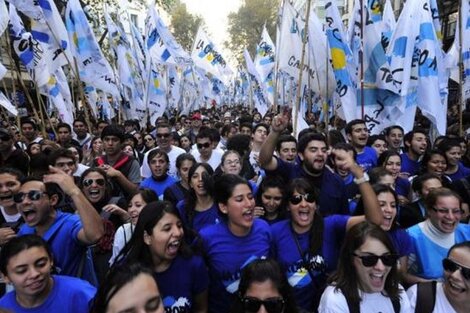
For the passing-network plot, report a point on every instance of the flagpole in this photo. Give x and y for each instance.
(361, 51)
(276, 67)
(461, 97)
(299, 87)
(12, 99)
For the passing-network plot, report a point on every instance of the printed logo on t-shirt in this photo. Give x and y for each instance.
(232, 280)
(179, 305)
(298, 275)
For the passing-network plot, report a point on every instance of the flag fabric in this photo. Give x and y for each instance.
(259, 98)
(265, 62)
(389, 21)
(207, 56)
(341, 57)
(157, 100)
(139, 48)
(465, 24)
(4, 102)
(174, 83)
(94, 69)
(4, 18)
(129, 74)
(160, 43)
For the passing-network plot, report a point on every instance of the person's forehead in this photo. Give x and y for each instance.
(33, 185)
(110, 137)
(359, 126)
(63, 129)
(288, 144)
(203, 139)
(63, 159)
(163, 129)
(316, 143)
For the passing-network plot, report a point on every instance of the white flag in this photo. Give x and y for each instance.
(259, 97)
(4, 102)
(465, 22)
(208, 56)
(157, 100)
(264, 63)
(4, 18)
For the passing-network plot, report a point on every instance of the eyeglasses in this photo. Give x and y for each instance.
(33, 195)
(372, 259)
(163, 135)
(148, 139)
(203, 145)
(309, 197)
(62, 164)
(89, 182)
(274, 305)
(451, 266)
(445, 211)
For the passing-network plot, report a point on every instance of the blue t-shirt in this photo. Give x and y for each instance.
(286, 252)
(408, 166)
(462, 172)
(402, 186)
(426, 257)
(367, 159)
(401, 241)
(158, 186)
(332, 199)
(67, 250)
(181, 282)
(68, 295)
(226, 255)
(200, 219)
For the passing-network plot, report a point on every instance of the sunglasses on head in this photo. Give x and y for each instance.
(203, 145)
(296, 199)
(371, 260)
(89, 182)
(163, 135)
(451, 266)
(274, 305)
(33, 195)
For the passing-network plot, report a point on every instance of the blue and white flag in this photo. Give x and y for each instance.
(389, 21)
(259, 98)
(157, 101)
(265, 62)
(139, 48)
(208, 57)
(160, 43)
(94, 69)
(4, 18)
(174, 86)
(342, 61)
(4, 102)
(465, 22)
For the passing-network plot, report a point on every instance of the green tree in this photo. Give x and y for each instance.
(184, 25)
(245, 25)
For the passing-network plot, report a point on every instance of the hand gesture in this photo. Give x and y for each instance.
(6, 233)
(279, 123)
(258, 211)
(114, 209)
(110, 171)
(65, 181)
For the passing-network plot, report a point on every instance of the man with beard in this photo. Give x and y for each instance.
(312, 152)
(81, 133)
(415, 146)
(357, 134)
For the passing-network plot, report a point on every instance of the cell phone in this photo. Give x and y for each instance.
(15, 226)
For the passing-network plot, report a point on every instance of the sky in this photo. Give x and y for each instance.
(215, 14)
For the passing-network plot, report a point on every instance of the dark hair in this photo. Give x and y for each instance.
(345, 278)
(447, 144)
(224, 186)
(147, 194)
(346, 147)
(61, 153)
(13, 172)
(158, 152)
(435, 194)
(164, 125)
(334, 136)
(418, 181)
(465, 244)
(427, 157)
(64, 125)
(184, 157)
(273, 182)
(302, 185)
(108, 185)
(378, 189)
(205, 132)
(19, 244)
(119, 276)
(376, 173)
(389, 129)
(51, 188)
(81, 120)
(409, 136)
(239, 143)
(246, 125)
(76, 147)
(373, 138)
(191, 198)
(113, 130)
(285, 138)
(27, 120)
(349, 126)
(383, 158)
(307, 138)
(136, 250)
(227, 153)
(253, 130)
(259, 271)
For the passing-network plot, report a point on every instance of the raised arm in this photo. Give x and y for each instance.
(266, 158)
(92, 229)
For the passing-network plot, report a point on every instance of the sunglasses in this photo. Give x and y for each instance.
(371, 260)
(89, 182)
(203, 145)
(33, 195)
(309, 197)
(148, 139)
(444, 211)
(275, 305)
(163, 135)
(451, 266)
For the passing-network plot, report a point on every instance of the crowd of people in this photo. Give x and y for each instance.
(225, 210)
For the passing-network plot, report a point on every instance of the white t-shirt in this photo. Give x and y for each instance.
(441, 304)
(9, 218)
(333, 301)
(175, 151)
(214, 160)
(121, 237)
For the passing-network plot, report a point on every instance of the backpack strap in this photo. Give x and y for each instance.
(396, 304)
(426, 297)
(355, 308)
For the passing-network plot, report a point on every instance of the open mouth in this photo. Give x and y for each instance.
(173, 247)
(456, 287)
(377, 280)
(248, 215)
(29, 215)
(6, 198)
(304, 216)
